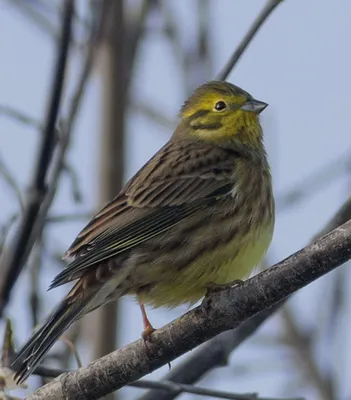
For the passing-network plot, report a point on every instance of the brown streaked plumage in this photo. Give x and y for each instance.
(201, 211)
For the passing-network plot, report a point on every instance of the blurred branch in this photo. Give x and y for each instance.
(34, 272)
(11, 181)
(24, 239)
(343, 215)
(215, 352)
(247, 39)
(74, 180)
(31, 12)
(5, 228)
(301, 344)
(204, 46)
(220, 311)
(171, 387)
(60, 218)
(152, 112)
(134, 34)
(19, 116)
(311, 184)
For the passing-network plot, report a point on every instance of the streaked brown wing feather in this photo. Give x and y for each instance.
(181, 179)
(181, 172)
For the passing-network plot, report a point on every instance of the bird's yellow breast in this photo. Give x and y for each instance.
(226, 263)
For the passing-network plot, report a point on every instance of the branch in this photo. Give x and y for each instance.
(313, 183)
(221, 311)
(247, 39)
(214, 353)
(11, 181)
(19, 116)
(23, 240)
(302, 347)
(171, 388)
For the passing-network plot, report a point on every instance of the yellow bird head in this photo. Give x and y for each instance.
(221, 112)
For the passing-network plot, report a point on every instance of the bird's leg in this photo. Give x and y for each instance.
(148, 328)
(217, 287)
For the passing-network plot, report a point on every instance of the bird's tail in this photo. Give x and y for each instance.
(74, 305)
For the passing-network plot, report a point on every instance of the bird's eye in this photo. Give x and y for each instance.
(220, 106)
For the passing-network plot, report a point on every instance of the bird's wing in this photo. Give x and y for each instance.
(181, 179)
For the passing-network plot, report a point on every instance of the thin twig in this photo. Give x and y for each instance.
(34, 271)
(247, 39)
(43, 23)
(171, 387)
(302, 346)
(5, 229)
(311, 184)
(74, 217)
(220, 311)
(11, 181)
(150, 111)
(19, 116)
(74, 180)
(24, 239)
(72, 349)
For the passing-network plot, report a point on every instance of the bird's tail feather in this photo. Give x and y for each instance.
(70, 309)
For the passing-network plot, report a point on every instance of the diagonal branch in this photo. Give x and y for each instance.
(23, 240)
(172, 388)
(221, 311)
(247, 39)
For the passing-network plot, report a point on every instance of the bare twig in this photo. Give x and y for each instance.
(19, 116)
(247, 39)
(343, 215)
(220, 311)
(171, 387)
(72, 349)
(5, 228)
(311, 184)
(35, 267)
(147, 109)
(302, 346)
(24, 239)
(76, 191)
(11, 181)
(60, 218)
(43, 23)
(32, 11)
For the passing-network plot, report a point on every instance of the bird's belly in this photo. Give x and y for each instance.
(170, 286)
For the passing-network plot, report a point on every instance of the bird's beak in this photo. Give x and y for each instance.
(254, 105)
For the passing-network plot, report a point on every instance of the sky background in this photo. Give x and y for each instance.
(299, 63)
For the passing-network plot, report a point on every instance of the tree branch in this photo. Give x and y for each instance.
(171, 388)
(23, 240)
(247, 39)
(221, 311)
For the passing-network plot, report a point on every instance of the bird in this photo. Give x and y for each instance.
(200, 212)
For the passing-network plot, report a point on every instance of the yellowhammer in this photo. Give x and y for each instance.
(200, 212)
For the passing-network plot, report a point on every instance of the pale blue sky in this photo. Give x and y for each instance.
(299, 63)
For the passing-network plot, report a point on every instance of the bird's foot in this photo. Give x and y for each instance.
(147, 332)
